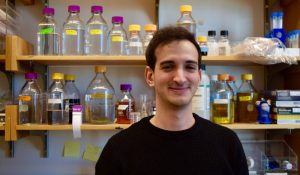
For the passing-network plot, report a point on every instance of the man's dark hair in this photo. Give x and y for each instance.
(165, 36)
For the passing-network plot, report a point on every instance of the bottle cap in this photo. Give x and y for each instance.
(232, 78)
(212, 33)
(185, 8)
(224, 33)
(31, 76)
(48, 11)
(71, 77)
(274, 14)
(134, 27)
(223, 77)
(57, 76)
(246, 77)
(96, 8)
(203, 67)
(117, 19)
(74, 8)
(213, 77)
(99, 69)
(202, 38)
(125, 87)
(150, 27)
(280, 14)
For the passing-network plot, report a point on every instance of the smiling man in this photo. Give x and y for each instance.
(174, 141)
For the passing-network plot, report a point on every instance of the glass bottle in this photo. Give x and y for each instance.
(117, 38)
(96, 33)
(186, 20)
(73, 33)
(125, 105)
(222, 105)
(30, 106)
(135, 41)
(71, 96)
(150, 29)
(99, 98)
(213, 49)
(224, 47)
(47, 35)
(201, 99)
(55, 96)
(202, 41)
(246, 99)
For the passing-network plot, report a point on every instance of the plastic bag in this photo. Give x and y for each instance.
(264, 51)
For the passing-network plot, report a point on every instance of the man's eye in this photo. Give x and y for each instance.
(191, 67)
(166, 67)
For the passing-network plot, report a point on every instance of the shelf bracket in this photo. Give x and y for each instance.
(46, 144)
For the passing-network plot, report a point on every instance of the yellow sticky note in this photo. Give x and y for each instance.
(72, 149)
(91, 153)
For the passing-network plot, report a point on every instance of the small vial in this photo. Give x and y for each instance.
(202, 41)
(280, 20)
(224, 47)
(213, 49)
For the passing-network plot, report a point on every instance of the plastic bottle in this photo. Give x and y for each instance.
(246, 98)
(30, 106)
(135, 41)
(125, 105)
(96, 33)
(117, 38)
(186, 20)
(202, 41)
(224, 47)
(150, 29)
(99, 99)
(201, 99)
(222, 105)
(55, 96)
(71, 96)
(73, 33)
(47, 35)
(280, 20)
(273, 21)
(213, 49)
(232, 84)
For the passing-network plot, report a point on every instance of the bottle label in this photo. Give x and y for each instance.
(71, 32)
(54, 101)
(23, 108)
(95, 32)
(116, 38)
(245, 98)
(24, 98)
(221, 101)
(101, 95)
(135, 44)
(46, 31)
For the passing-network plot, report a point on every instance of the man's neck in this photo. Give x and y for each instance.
(173, 119)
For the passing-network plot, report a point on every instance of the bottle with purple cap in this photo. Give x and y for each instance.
(47, 35)
(73, 33)
(125, 105)
(95, 33)
(30, 108)
(117, 38)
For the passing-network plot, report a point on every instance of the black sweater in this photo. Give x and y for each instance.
(143, 149)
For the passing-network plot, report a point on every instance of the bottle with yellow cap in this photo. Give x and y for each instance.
(99, 99)
(149, 29)
(71, 96)
(186, 20)
(202, 41)
(135, 42)
(55, 105)
(246, 98)
(222, 103)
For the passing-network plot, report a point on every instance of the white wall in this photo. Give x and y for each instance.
(241, 17)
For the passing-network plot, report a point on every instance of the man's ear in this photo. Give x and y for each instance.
(149, 76)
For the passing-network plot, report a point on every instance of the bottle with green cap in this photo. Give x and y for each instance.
(99, 99)
(186, 20)
(246, 98)
(71, 96)
(55, 105)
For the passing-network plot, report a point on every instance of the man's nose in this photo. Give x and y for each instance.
(179, 76)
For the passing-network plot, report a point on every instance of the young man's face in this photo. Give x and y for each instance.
(176, 76)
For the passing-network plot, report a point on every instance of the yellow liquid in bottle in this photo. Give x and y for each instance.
(246, 110)
(223, 113)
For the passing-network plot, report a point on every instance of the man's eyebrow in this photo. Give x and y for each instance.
(166, 62)
(191, 61)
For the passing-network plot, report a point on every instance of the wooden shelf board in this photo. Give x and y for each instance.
(236, 126)
(69, 127)
(85, 60)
